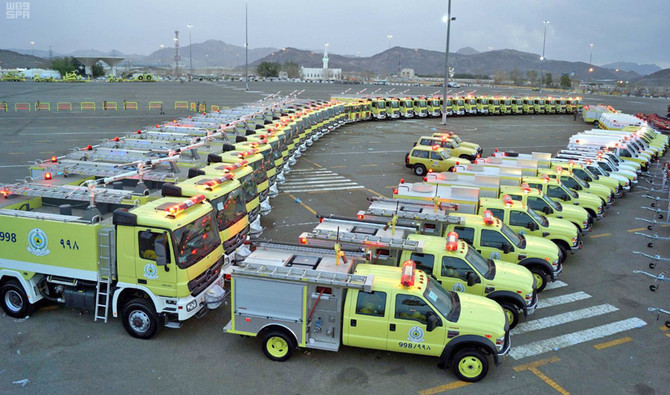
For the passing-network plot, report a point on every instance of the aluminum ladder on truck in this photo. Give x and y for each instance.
(366, 240)
(106, 271)
(318, 277)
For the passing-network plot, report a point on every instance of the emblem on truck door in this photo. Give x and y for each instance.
(38, 243)
(150, 271)
(415, 334)
(495, 255)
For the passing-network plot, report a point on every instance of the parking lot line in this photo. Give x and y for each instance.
(533, 367)
(563, 299)
(556, 284)
(613, 343)
(311, 210)
(600, 235)
(563, 318)
(444, 388)
(310, 162)
(374, 192)
(574, 338)
(636, 230)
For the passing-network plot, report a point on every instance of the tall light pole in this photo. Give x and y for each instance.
(32, 48)
(190, 52)
(161, 58)
(544, 41)
(588, 78)
(246, 44)
(447, 18)
(390, 36)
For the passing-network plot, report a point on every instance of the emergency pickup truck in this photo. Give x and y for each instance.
(455, 149)
(303, 298)
(449, 261)
(468, 202)
(517, 215)
(423, 159)
(154, 265)
(510, 181)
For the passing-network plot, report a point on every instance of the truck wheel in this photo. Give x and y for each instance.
(277, 345)
(140, 319)
(540, 278)
(563, 252)
(512, 314)
(470, 365)
(14, 300)
(419, 170)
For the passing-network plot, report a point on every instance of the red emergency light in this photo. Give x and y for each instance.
(488, 217)
(407, 276)
(47, 176)
(190, 202)
(508, 200)
(436, 147)
(526, 187)
(545, 178)
(218, 181)
(402, 180)
(452, 241)
(54, 159)
(303, 240)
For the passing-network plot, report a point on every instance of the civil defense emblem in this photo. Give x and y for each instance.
(458, 287)
(38, 243)
(150, 271)
(415, 334)
(495, 255)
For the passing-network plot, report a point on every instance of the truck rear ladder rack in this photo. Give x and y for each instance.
(434, 217)
(68, 192)
(317, 277)
(311, 250)
(366, 241)
(440, 205)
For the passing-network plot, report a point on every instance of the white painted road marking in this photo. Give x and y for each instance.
(563, 299)
(316, 180)
(559, 319)
(555, 284)
(574, 338)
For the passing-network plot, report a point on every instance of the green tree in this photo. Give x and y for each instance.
(268, 69)
(565, 81)
(515, 75)
(97, 70)
(532, 76)
(64, 65)
(291, 68)
(548, 80)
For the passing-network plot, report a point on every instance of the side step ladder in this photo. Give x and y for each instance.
(106, 272)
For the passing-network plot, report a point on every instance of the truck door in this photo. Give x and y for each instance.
(424, 262)
(454, 276)
(407, 327)
(161, 279)
(366, 319)
(492, 244)
(522, 223)
(436, 162)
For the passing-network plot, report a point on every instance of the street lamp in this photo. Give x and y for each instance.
(190, 52)
(544, 41)
(447, 19)
(32, 48)
(390, 36)
(161, 58)
(588, 79)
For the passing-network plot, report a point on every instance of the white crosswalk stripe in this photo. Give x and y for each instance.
(557, 329)
(316, 180)
(571, 339)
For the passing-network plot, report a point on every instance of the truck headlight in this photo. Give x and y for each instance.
(574, 241)
(529, 298)
(500, 343)
(585, 223)
(192, 305)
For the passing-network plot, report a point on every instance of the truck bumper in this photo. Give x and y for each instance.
(578, 246)
(530, 309)
(505, 350)
(557, 272)
(209, 299)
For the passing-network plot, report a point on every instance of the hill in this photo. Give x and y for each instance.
(431, 63)
(211, 53)
(658, 79)
(11, 60)
(467, 51)
(642, 69)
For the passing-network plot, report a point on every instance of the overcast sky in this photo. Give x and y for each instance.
(621, 30)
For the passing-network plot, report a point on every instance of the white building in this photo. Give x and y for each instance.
(407, 73)
(324, 73)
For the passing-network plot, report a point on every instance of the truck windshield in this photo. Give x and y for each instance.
(195, 240)
(394, 104)
(605, 167)
(381, 104)
(579, 181)
(459, 102)
(590, 173)
(555, 205)
(445, 302)
(570, 192)
(511, 235)
(479, 263)
(538, 218)
(456, 138)
(229, 208)
(249, 187)
(260, 175)
(444, 155)
(276, 150)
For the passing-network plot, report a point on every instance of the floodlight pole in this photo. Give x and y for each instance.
(246, 44)
(446, 67)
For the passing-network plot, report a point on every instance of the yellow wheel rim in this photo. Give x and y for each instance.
(510, 316)
(277, 347)
(470, 367)
(539, 280)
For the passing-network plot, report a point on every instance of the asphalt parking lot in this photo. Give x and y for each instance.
(592, 333)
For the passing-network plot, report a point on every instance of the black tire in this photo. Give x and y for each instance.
(653, 288)
(140, 319)
(563, 251)
(277, 345)
(470, 359)
(511, 312)
(14, 300)
(419, 170)
(540, 276)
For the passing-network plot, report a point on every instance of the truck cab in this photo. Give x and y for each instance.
(434, 107)
(256, 162)
(482, 105)
(556, 191)
(506, 105)
(420, 107)
(539, 105)
(406, 107)
(470, 105)
(570, 180)
(422, 159)
(378, 108)
(457, 139)
(393, 108)
(550, 105)
(528, 106)
(454, 148)
(458, 105)
(616, 187)
(495, 106)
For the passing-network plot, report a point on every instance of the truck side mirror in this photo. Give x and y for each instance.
(432, 321)
(564, 197)
(547, 210)
(471, 278)
(507, 248)
(160, 248)
(531, 226)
